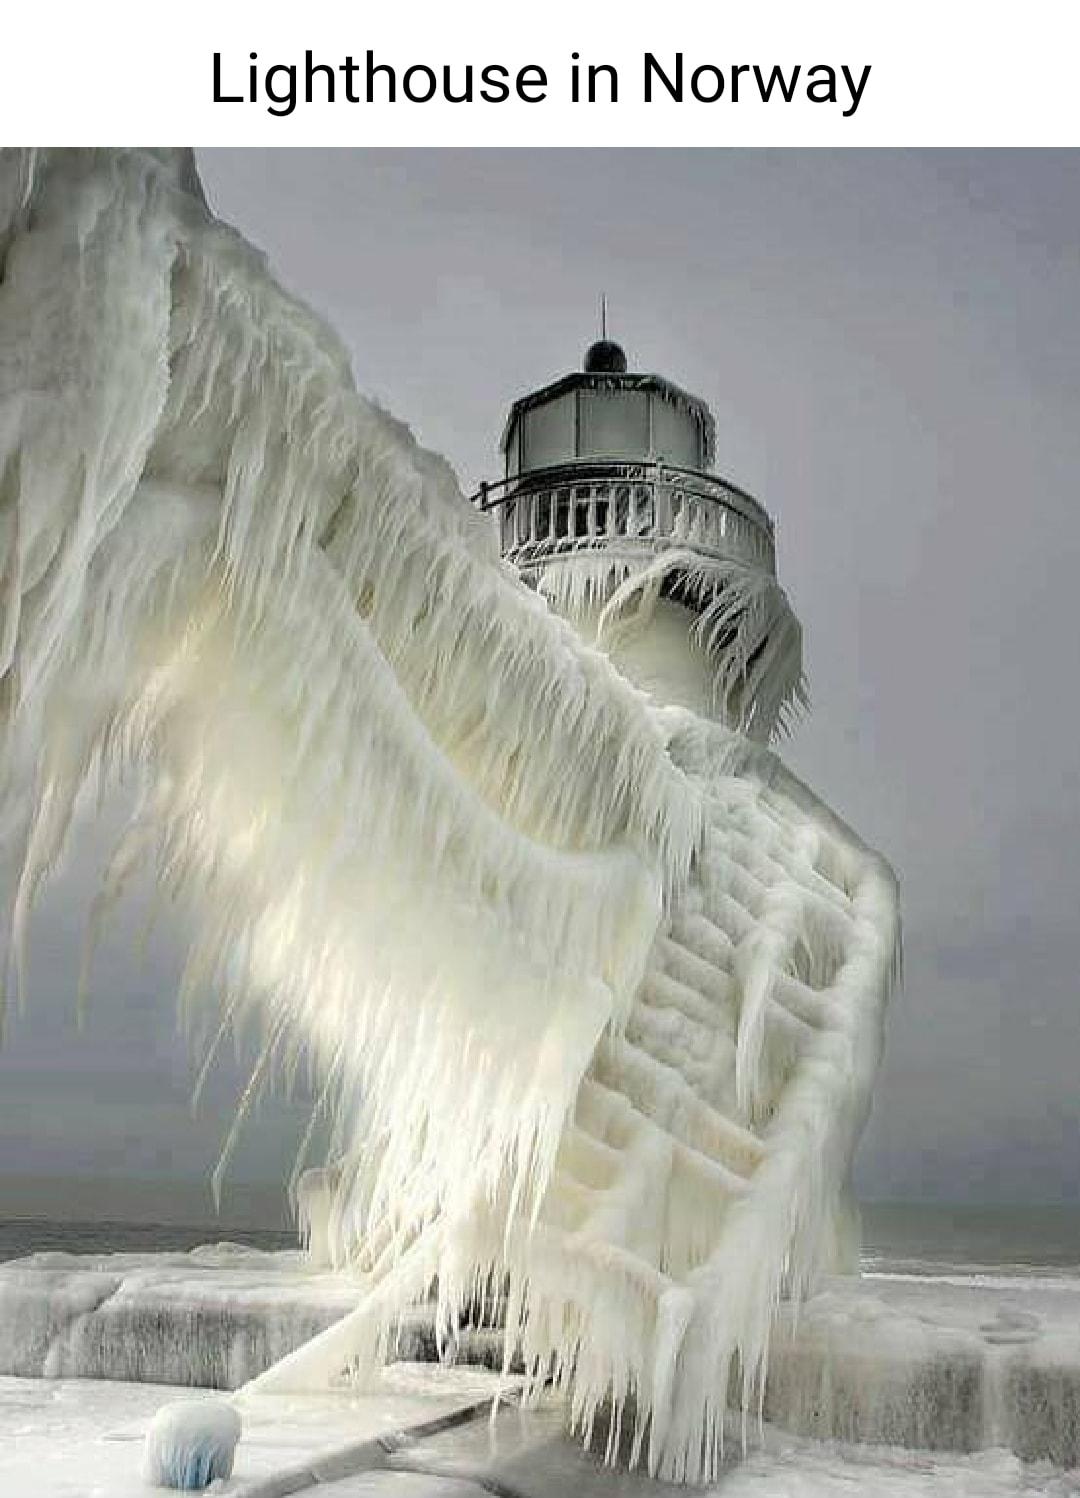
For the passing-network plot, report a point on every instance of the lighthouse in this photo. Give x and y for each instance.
(610, 506)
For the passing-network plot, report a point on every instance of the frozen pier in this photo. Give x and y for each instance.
(972, 1363)
(965, 1365)
(214, 1317)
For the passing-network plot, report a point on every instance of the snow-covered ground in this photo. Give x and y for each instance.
(526, 1454)
(83, 1439)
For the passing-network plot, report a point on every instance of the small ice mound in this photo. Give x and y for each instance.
(191, 1443)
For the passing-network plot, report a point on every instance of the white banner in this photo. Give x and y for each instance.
(743, 72)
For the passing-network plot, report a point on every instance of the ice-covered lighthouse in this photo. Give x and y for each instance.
(610, 506)
(591, 985)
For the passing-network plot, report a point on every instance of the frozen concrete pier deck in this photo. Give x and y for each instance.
(969, 1364)
(976, 1364)
(213, 1317)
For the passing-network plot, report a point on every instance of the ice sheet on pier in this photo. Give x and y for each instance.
(592, 990)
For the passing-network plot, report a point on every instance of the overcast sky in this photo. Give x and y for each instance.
(890, 343)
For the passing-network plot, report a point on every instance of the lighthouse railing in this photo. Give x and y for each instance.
(582, 507)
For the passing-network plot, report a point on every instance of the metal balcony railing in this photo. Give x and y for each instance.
(640, 507)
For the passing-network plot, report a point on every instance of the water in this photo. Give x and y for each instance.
(29, 1235)
(941, 1239)
(927, 1239)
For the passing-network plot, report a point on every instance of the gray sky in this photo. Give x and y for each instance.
(890, 342)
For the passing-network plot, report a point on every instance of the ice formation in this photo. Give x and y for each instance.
(591, 987)
(191, 1443)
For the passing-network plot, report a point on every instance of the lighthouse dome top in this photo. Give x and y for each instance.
(606, 411)
(605, 357)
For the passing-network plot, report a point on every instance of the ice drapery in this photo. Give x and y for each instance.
(438, 845)
(744, 628)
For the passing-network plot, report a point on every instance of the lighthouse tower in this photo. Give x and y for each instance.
(609, 505)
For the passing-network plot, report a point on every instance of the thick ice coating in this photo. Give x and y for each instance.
(592, 990)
